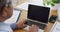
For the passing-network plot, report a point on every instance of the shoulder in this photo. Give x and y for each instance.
(5, 27)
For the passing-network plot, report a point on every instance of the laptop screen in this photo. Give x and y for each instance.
(38, 13)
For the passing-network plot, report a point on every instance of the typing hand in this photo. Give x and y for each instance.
(33, 28)
(21, 23)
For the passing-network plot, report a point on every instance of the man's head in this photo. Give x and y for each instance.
(6, 13)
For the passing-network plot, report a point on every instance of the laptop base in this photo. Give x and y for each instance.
(40, 25)
(39, 30)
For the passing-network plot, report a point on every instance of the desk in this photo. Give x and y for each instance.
(24, 16)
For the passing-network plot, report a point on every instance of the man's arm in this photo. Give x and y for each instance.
(33, 28)
(19, 24)
(13, 26)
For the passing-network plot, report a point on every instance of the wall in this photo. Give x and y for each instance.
(18, 2)
(36, 2)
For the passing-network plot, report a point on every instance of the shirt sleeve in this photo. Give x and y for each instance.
(13, 26)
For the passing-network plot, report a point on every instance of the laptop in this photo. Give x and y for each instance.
(37, 15)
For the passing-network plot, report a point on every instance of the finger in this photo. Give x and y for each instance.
(24, 25)
(35, 27)
(22, 21)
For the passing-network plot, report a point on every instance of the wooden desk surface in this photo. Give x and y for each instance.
(24, 16)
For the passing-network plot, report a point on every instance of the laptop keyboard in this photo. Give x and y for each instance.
(41, 26)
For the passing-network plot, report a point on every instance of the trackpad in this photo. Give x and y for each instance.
(39, 30)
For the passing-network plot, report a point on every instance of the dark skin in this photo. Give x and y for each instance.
(7, 13)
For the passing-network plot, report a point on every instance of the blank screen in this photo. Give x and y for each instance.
(38, 13)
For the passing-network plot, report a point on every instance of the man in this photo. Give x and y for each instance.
(6, 14)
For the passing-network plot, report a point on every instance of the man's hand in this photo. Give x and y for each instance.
(33, 28)
(21, 23)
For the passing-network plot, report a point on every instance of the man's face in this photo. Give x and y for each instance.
(6, 13)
